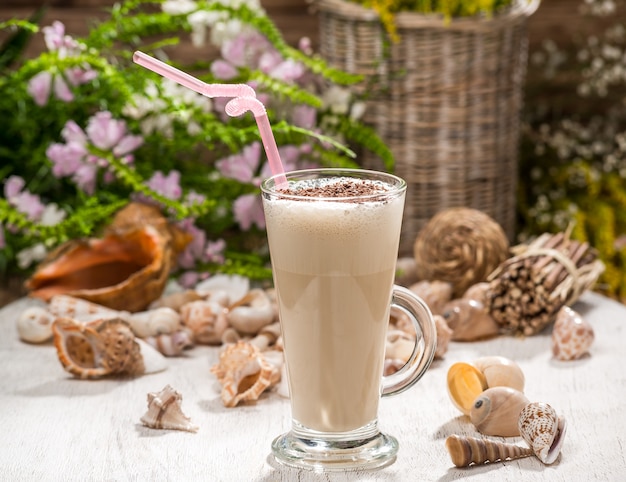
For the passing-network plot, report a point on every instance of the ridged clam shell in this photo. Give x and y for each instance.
(165, 411)
(466, 451)
(572, 335)
(244, 373)
(543, 430)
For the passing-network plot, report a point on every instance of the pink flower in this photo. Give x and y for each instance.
(77, 76)
(214, 251)
(248, 210)
(223, 70)
(188, 279)
(242, 166)
(2, 241)
(85, 178)
(168, 186)
(13, 186)
(104, 131)
(195, 249)
(71, 132)
(66, 158)
(304, 116)
(21, 199)
(39, 87)
(61, 90)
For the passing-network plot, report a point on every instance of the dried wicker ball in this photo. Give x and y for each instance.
(461, 246)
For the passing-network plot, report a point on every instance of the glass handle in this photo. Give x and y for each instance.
(425, 344)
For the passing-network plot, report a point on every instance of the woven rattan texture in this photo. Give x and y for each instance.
(446, 99)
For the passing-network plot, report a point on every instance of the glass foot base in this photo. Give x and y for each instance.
(321, 454)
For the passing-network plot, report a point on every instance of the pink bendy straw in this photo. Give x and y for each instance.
(244, 100)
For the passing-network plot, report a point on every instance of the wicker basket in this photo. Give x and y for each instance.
(446, 99)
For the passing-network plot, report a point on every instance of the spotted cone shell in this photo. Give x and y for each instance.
(543, 430)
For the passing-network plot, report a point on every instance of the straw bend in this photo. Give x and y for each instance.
(241, 105)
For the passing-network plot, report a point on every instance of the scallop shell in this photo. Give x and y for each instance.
(496, 411)
(469, 320)
(543, 430)
(434, 293)
(466, 451)
(165, 412)
(500, 371)
(206, 319)
(244, 373)
(123, 271)
(34, 325)
(465, 383)
(101, 348)
(572, 335)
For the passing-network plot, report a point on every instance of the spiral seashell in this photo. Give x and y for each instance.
(34, 325)
(165, 411)
(155, 322)
(496, 411)
(469, 320)
(500, 371)
(466, 451)
(543, 430)
(434, 293)
(572, 336)
(171, 344)
(206, 319)
(251, 313)
(244, 373)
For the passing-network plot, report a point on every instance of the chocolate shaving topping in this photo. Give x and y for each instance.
(339, 189)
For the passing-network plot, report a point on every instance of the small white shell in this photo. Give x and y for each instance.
(572, 335)
(251, 313)
(234, 286)
(34, 325)
(171, 344)
(165, 412)
(155, 322)
(543, 430)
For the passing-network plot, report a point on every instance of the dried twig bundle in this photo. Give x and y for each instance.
(527, 290)
(460, 246)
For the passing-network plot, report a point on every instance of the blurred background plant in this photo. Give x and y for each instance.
(84, 131)
(573, 161)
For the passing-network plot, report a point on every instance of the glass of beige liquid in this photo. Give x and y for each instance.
(333, 237)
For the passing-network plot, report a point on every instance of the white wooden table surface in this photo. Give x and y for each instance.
(54, 427)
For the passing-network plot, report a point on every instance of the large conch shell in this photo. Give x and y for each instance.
(165, 412)
(125, 270)
(496, 411)
(101, 348)
(244, 373)
(466, 451)
(543, 430)
(466, 381)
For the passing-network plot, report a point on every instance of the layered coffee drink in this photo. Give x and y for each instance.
(334, 244)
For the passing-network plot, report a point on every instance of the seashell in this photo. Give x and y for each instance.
(155, 322)
(572, 335)
(175, 300)
(399, 345)
(496, 411)
(66, 306)
(477, 292)
(165, 412)
(392, 365)
(267, 336)
(230, 335)
(123, 271)
(469, 320)
(434, 293)
(444, 335)
(465, 384)
(34, 325)
(543, 430)
(234, 287)
(101, 348)
(466, 451)
(251, 313)
(171, 344)
(244, 373)
(206, 319)
(500, 371)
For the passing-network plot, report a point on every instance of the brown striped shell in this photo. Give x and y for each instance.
(466, 451)
(165, 411)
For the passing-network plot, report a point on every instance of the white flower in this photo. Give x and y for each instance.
(179, 7)
(31, 255)
(337, 99)
(52, 215)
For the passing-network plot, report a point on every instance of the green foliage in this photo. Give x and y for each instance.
(193, 140)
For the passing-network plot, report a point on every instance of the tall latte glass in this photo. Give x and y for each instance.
(333, 237)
